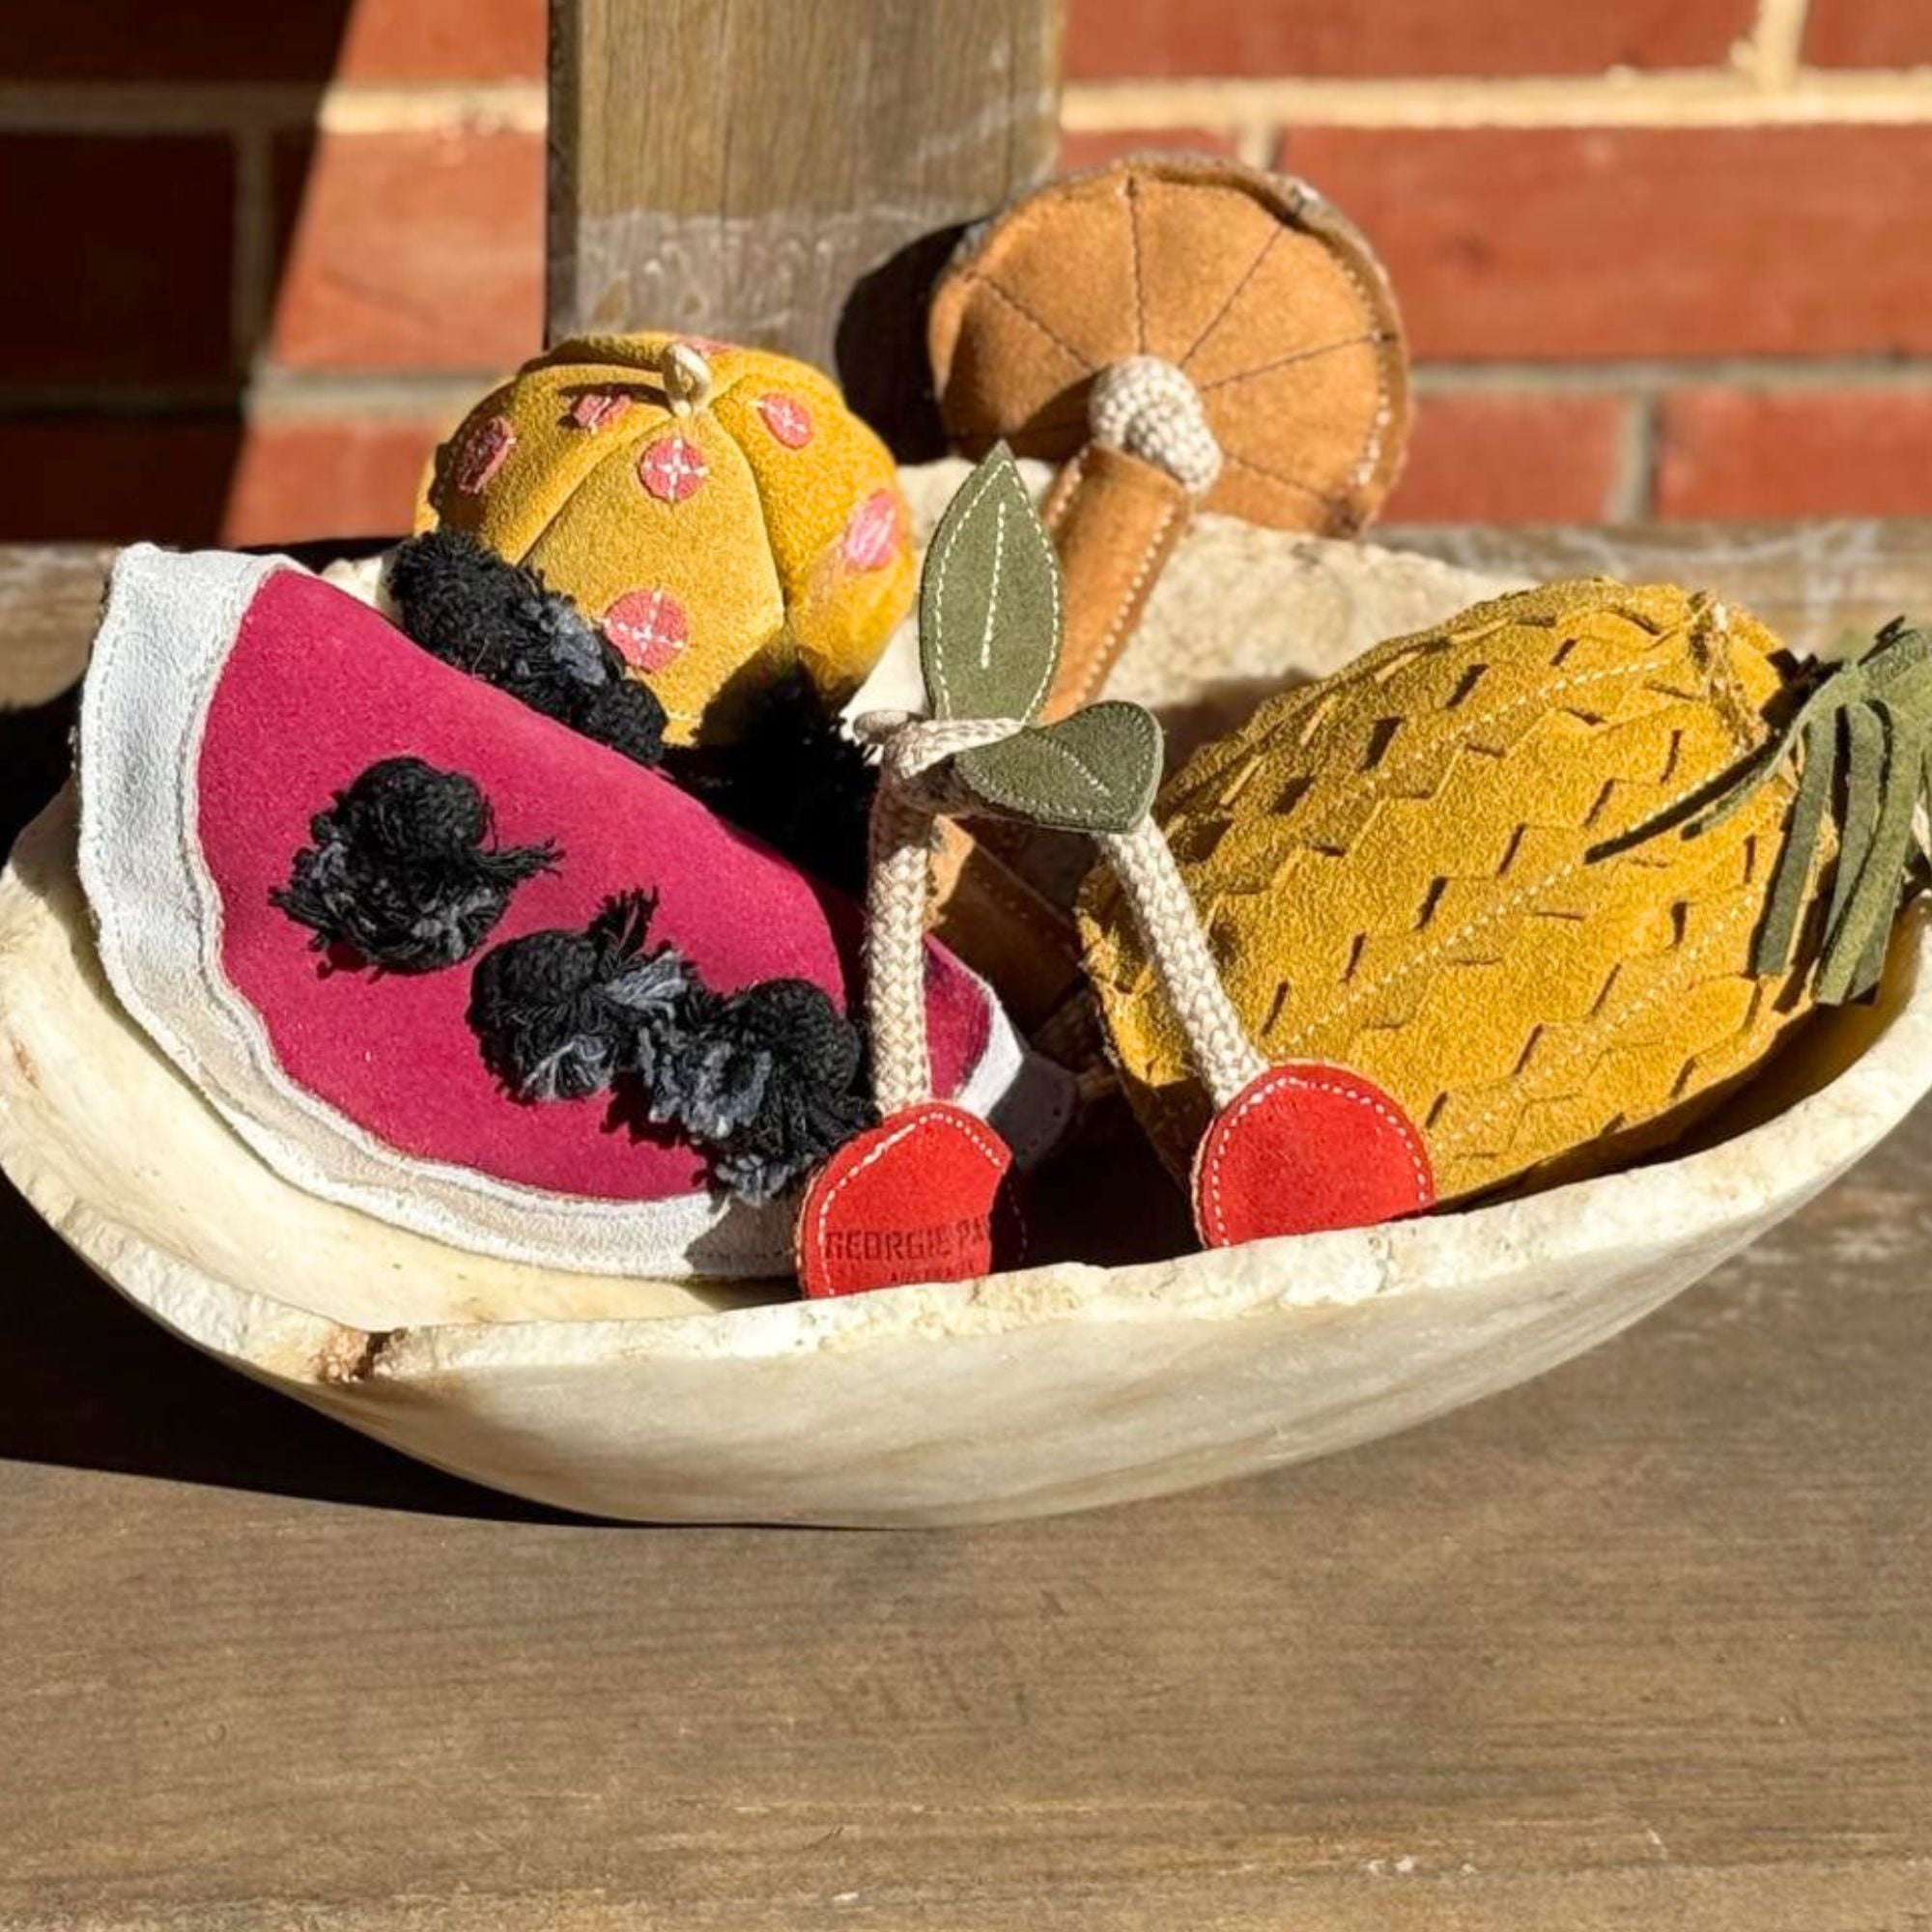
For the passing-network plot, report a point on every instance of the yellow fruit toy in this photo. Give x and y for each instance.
(1524, 894)
(719, 511)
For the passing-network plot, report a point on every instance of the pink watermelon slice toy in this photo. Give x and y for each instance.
(233, 708)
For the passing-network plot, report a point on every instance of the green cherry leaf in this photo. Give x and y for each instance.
(989, 601)
(1095, 771)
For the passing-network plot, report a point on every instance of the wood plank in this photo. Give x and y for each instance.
(789, 172)
(1807, 581)
(49, 596)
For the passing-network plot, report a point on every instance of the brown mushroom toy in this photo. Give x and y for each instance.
(1177, 332)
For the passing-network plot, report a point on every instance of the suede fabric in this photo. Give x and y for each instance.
(1115, 521)
(921, 1197)
(1307, 1147)
(393, 1053)
(1273, 307)
(1401, 873)
(714, 544)
(1254, 286)
(1004, 928)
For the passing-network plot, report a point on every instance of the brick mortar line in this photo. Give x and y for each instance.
(1774, 53)
(336, 108)
(253, 246)
(281, 395)
(1704, 99)
(1242, 106)
(1654, 376)
(1633, 491)
(270, 397)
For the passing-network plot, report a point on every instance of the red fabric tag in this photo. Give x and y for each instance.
(922, 1197)
(1305, 1146)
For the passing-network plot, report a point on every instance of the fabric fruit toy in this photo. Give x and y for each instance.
(924, 1195)
(1177, 332)
(439, 956)
(1517, 899)
(718, 511)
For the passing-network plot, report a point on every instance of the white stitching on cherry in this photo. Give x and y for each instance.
(1404, 1129)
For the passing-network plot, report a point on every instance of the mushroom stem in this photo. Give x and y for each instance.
(1115, 520)
(1119, 508)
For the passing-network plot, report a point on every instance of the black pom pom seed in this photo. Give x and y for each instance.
(400, 872)
(497, 620)
(765, 1081)
(560, 1014)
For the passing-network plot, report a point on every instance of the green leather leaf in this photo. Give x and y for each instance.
(989, 600)
(1791, 881)
(1095, 771)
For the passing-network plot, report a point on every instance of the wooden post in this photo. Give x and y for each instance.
(789, 172)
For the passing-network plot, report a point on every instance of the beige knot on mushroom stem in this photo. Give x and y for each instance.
(1146, 407)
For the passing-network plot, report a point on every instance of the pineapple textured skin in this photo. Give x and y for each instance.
(1400, 873)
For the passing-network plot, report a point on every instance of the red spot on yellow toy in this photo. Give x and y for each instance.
(786, 417)
(1305, 1146)
(872, 536)
(483, 454)
(672, 468)
(598, 408)
(650, 628)
(922, 1197)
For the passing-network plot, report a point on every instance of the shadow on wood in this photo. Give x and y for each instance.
(95, 1385)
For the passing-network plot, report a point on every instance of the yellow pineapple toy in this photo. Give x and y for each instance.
(718, 511)
(1517, 897)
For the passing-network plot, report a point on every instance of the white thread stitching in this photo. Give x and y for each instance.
(1405, 1132)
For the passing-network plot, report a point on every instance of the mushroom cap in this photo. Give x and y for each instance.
(1268, 299)
(710, 534)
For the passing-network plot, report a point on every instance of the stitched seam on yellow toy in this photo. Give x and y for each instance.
(1349, 244)
(948, 1120)
(1711, 652)
(729, 389)
(1369, 786)
(1132, 201)
(1054, 510)
(1311, 214)
(1234, 295)
(695, 718)
(1431, 956)
(1458, 1141)
(1289, 361)
(1284, 482)
(1272, 1083)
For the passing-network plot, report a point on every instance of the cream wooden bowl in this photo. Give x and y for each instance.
(1024, 1394)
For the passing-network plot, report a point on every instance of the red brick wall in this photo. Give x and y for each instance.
(1659, 257)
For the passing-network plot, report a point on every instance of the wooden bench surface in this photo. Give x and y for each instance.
(1640, 1645)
